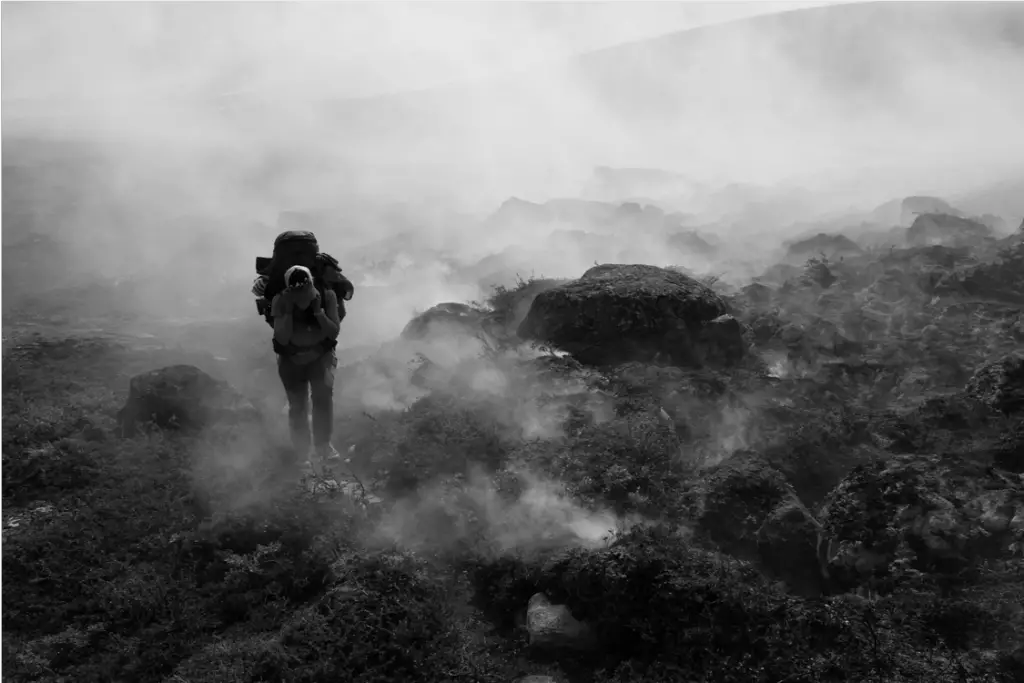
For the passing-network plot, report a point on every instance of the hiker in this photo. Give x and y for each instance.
(300, 293)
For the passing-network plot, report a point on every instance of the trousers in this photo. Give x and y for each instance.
(302, 381)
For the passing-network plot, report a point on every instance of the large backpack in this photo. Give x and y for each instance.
(300, 248)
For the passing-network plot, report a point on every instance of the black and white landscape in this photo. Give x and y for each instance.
(686, 342)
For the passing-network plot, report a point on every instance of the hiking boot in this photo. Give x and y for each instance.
(313, 467)
(328, 454)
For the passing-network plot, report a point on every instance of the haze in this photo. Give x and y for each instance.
(135, 133)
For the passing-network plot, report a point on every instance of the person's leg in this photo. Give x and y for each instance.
(321, 381)
(296, 386)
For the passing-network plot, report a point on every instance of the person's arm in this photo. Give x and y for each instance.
(327, 316)
(283, 327)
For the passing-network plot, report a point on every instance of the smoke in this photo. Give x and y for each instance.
(539, 516)
(503, 382)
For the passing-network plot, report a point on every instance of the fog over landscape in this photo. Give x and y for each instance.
(150, 127)
(682, 342)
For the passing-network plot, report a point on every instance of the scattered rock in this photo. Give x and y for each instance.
(553, 626)
(934, 514)
(616, 313)
(183, 397)
(999, 385)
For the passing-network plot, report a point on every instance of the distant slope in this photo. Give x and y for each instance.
(755, 100)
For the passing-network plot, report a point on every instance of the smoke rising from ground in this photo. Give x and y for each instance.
(541, 517)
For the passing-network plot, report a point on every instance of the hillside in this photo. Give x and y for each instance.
(827, 86)
(826, 485)
(695, 359)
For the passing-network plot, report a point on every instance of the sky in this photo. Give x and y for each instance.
(122, 49)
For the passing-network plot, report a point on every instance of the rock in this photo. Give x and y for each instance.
(444, 320)
(831, 246)
(808, 342)
(757, 295)
(1000, 279)
(751, 512)
(690, 242)
(941, 515)
(533, 678)
(721, 341)
(553, 626)
(817, 273)
(765, 327)
(515, 213)
(183, 397)
(348, 486)
(931, 229)
(999, 385)
(616, 313)
(911, 207)
(513, 304)
(1008, 453)
(787, 544)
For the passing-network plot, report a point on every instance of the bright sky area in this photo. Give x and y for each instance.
(90, 50)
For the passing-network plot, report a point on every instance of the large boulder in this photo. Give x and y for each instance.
(616, 313)
(512, 304)
(722, 340)
(822, 244)
(750, 511)
(919, 512)
(182, 397)
(999, 385)
(912, 207)
(931, 229)
(757, 296)
(444, 320)
(553, 626)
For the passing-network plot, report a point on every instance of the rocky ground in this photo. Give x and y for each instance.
(633, 476)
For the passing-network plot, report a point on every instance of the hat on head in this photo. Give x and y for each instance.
(297, 275)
